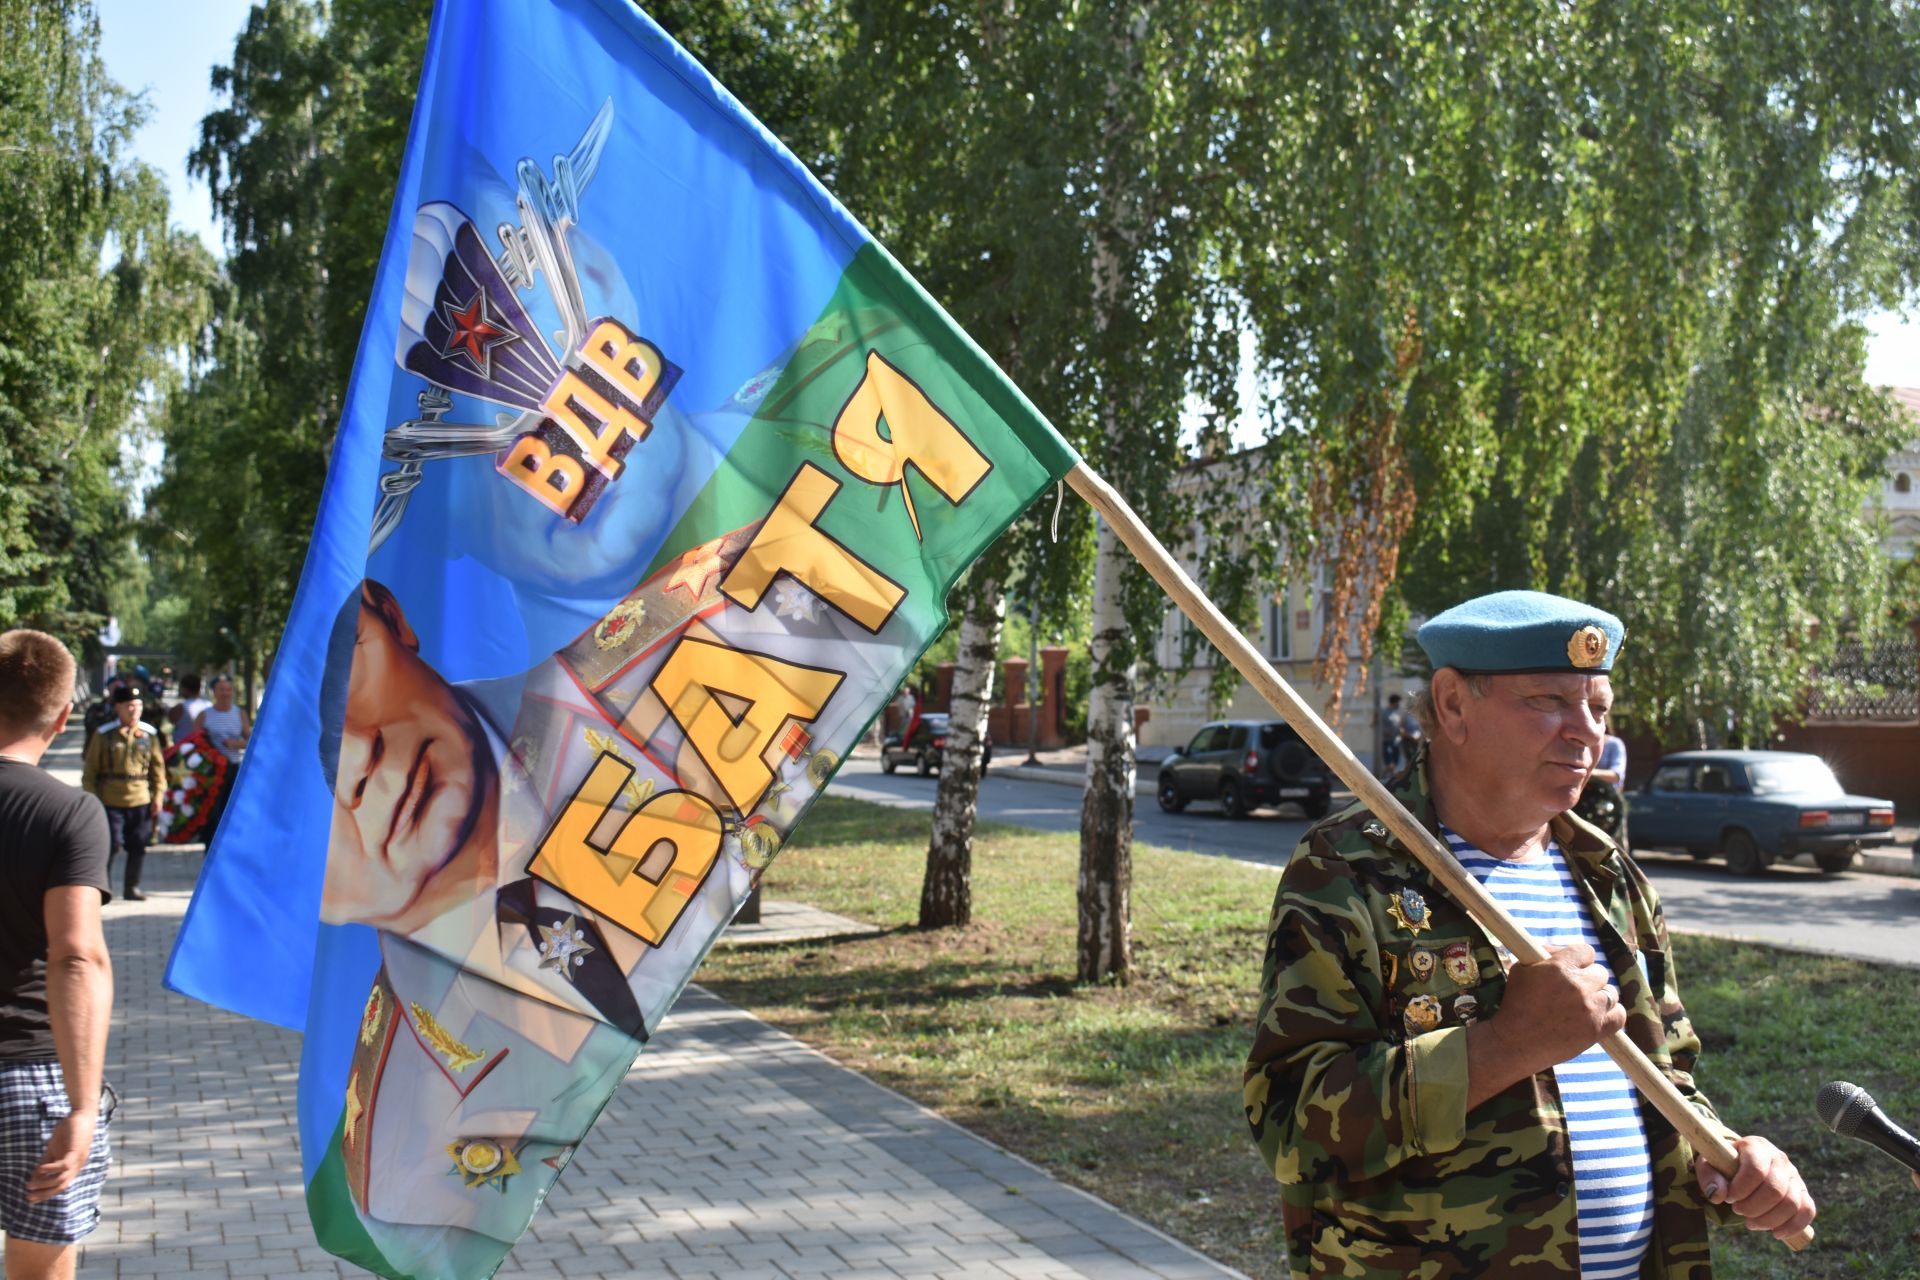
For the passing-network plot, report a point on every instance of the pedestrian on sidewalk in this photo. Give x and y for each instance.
(56, 980)
(1393, 730)
(227, 727)
(1432, 1107)
(184, 713)
(126, 766)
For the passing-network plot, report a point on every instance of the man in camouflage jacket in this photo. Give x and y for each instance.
(1404, 1150)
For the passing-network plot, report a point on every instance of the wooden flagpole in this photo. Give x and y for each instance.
(1707, 1140)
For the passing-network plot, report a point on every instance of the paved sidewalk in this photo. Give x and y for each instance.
(783, 922)
(818, 1172)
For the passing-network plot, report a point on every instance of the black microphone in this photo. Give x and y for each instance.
(1851, 1112)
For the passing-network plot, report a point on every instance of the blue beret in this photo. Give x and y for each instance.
(1514, 631)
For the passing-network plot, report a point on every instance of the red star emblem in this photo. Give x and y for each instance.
(697, 568)
(471, 332)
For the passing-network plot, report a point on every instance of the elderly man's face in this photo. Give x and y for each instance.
(128, 712)
(416, 787)
(1530, 740)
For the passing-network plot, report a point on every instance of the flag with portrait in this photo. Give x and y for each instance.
(655, 473)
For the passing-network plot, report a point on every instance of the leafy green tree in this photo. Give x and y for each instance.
(1046, 169)
(954, 154)
(95, 291)
(219, 527)
(1155, 89)
(1565, 297)
(301, 160)
(778, 57)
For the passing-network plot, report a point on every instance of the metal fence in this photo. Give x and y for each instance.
(1879, 683)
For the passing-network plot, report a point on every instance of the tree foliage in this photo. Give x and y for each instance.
(1566, 297)
(302, 159)
(95, 291)
(1044, 169)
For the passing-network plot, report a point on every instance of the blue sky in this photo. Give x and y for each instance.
(167, 51)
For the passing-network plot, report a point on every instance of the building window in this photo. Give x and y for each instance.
(1279, 636)
(1903, 483)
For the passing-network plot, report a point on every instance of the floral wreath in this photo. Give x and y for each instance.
(201, 772)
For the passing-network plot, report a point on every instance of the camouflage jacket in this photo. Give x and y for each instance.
(1385, 1173)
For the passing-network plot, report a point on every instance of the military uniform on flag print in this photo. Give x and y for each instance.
(548, 855)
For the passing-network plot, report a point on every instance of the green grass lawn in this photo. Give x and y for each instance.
(1134, 1092)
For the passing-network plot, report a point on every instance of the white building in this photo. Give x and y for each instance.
(1288, 636)
(1899, 499)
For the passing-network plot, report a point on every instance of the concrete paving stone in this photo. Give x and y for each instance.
(162, 1262)
(1162, 1255)
(857, 1251)
(1046, 1229)
(1027, 1268)
(603, 1261)
(1079, 1246)
(297, 1236)
(1188, 1269)
(976, 1251)
(204, 1254)
(257, 1267)
(806, 1238)
(916, 1253)
(530, 1251)
(645, 1254)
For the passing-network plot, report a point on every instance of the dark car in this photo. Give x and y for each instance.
(1757, 806)
(1245, 764)
(924, 746)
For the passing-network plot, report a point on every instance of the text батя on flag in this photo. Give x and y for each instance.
(654, 476)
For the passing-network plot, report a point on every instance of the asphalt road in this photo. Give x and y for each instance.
(1872, 917)
(1268, 837)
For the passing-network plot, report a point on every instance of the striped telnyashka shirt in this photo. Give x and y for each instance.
(1612, 1176)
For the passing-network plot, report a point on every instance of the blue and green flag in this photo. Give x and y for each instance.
(654, 475)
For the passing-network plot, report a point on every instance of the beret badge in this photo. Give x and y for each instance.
(1587, 647)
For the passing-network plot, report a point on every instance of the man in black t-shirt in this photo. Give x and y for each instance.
(56, 981)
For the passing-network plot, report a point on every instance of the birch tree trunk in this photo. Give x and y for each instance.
(946, 892)
(1106, 812)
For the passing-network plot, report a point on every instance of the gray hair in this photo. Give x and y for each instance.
(1478, 683)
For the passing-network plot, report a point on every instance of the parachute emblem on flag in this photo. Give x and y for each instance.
(465, 329)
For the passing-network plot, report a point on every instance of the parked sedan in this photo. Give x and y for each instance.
(925, 746)
(1245, 764)
(1757, 806)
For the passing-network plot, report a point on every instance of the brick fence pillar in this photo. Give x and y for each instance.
(1053, 695)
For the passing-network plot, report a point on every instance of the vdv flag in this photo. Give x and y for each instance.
(654, 475)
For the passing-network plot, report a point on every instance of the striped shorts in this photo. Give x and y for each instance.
(33, 1099)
